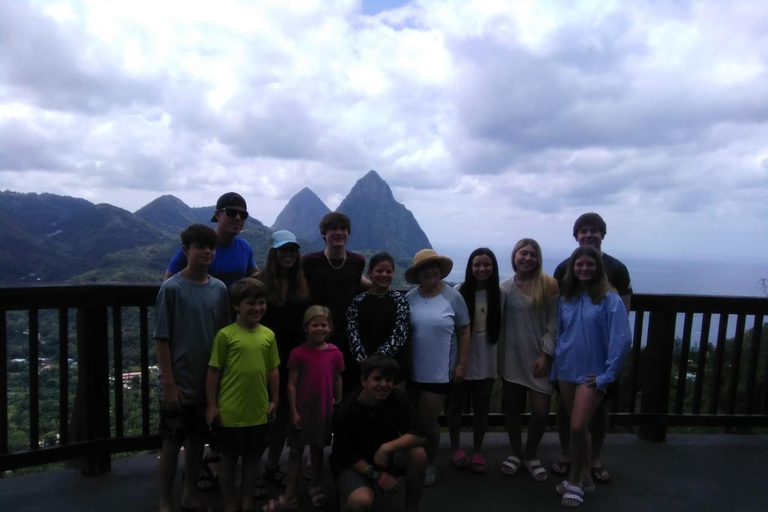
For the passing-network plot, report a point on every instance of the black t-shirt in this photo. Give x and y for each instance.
(334, 288)
(359, 430)
(617, 273)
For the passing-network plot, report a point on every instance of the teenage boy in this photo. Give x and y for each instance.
(234, 256)
(191, 307)
(242, 389)
(335, 276)
(375, 441)
(590, 229)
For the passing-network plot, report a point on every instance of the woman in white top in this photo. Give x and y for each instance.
(525, 353)
(480, 290)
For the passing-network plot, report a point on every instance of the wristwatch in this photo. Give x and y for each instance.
(373, 474)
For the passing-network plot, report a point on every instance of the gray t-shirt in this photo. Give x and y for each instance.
(188, 317)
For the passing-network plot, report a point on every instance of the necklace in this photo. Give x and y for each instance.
(343, 261)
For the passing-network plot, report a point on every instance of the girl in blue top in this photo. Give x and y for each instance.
(593, 336)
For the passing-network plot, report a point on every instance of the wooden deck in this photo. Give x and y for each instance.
(688, 472)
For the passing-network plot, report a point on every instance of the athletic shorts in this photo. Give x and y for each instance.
(177, 424)
(235, 441)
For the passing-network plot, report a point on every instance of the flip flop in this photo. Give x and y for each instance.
(459, 459)
(600, 475)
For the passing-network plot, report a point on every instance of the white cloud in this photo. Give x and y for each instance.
(499, 119)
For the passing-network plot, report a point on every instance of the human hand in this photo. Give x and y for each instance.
(460, 373)
(211, 415)
(171, 396)
(271, 411)
(296, 420)
(591, 380)
(541, 366)
(381, 457)
(388, 483)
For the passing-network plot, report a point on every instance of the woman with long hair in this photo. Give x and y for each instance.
(481, 293)
(525, 353)
(593, 336)
(287, 299)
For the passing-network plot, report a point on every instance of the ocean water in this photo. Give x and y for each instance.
(728, 277)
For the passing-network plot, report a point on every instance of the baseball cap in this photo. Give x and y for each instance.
(283, 237)
(230, 199)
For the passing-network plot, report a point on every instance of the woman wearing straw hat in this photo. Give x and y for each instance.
(439, 343)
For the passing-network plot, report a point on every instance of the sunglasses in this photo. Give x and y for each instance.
(235, 213)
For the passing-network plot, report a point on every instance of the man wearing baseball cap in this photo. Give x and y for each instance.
(234, 256)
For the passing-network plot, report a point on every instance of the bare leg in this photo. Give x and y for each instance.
(169, 458)
(513, 400)
(316, 454)
(250, 476)
(539, 403)
(481, 404)
(278, 431)
(227, 468)
(599, 429)
(456, 407)
(361, 500)
(193, 459)
(582, 403)
(294, 465)
(563, 430)
(414, 477)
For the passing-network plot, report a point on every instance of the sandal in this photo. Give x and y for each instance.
(572, 496)
(586, 489)
(317, 496)
(600, 475)
(535, 469)
(478, 464)
(281, 504)
(459, 459)
(511, 465)
(561, 468)
(431, 476)
(275, 475)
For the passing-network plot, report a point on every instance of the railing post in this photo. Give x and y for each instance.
(656, 371)
(90, 416)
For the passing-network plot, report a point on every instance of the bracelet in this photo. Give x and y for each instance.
(368, 471)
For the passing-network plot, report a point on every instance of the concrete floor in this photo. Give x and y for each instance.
(689, 472)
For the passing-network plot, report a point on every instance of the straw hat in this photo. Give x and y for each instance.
(423, 257)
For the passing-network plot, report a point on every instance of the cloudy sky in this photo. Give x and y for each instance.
(491, 120)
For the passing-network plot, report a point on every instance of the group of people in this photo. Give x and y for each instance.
(316, 348)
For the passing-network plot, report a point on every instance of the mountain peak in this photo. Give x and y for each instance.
(379, 222)
(301, 215)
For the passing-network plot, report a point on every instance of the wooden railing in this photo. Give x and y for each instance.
(723, 394)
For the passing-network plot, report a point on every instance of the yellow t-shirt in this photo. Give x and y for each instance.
(244, 359)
